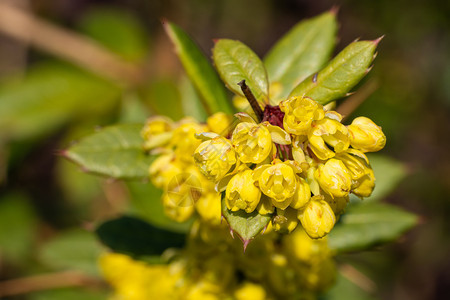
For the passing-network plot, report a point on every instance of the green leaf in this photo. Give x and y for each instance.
(337, 78)
(236, 62)
(135, 237)
(246, 225)
(114, 151)
(301, 52)
(129, 38)
(199, 70)
(146, 203)
(50, 96)
(76, 249)
(367, 224)
(388, 173)
(17, 227)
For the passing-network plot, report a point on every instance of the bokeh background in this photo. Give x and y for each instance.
(100, 62)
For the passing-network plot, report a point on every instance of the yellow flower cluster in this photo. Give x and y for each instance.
(186, 190)
(208, 268)
(300, 163)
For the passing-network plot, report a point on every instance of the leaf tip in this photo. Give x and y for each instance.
(378, 40)
(216, 40)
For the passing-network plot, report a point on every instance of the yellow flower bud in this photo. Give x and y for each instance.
(363, 179)
(356, 162)
(365, 185)
(157, 132)
(163, 169)
(299, 113)
(317, 277)
(301, 195)
(337, 204)
(317, 217)
(277, 181)
(215, 157)
(334, 178)
(252, 142)
(242, 193)
(325, 134)
(304, 249)
(248, 290)
(178, 213)
(220, 123)
(184, 139)
(208, 207)
(365, 135)
(285, 221)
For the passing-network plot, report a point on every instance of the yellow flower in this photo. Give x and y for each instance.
(285, 221)
(299, 113)
(163, 169)
(302, 194)
(157, 132)
(176, 212)
(184, 140)
(250, 291)
(208, 207)
(277, 181)
(356, 162)
(220, 123)
(363, 179)
(365, 185)
(337, 204)
(325, 134)
(241, 192)
(215, 157)
(252, 142)
(142, 281)
(317, 217)
(334, 178)
(304, 249)
(365, 135)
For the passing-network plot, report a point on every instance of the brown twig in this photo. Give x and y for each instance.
(353, 102)
(251, 99)
(66, 44)
(46, 282)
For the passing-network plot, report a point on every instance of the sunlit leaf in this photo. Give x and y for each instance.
(114, 151)
(136, 237)
(367, 224)
(75, 250)
(337, 78)
(300, 52)
(236, 62)
(199, 70)
(246, 225)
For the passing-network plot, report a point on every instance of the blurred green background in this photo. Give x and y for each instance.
(50, 97)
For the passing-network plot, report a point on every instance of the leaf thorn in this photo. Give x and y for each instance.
(378, 40)
(245, 242)
(334, 10)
